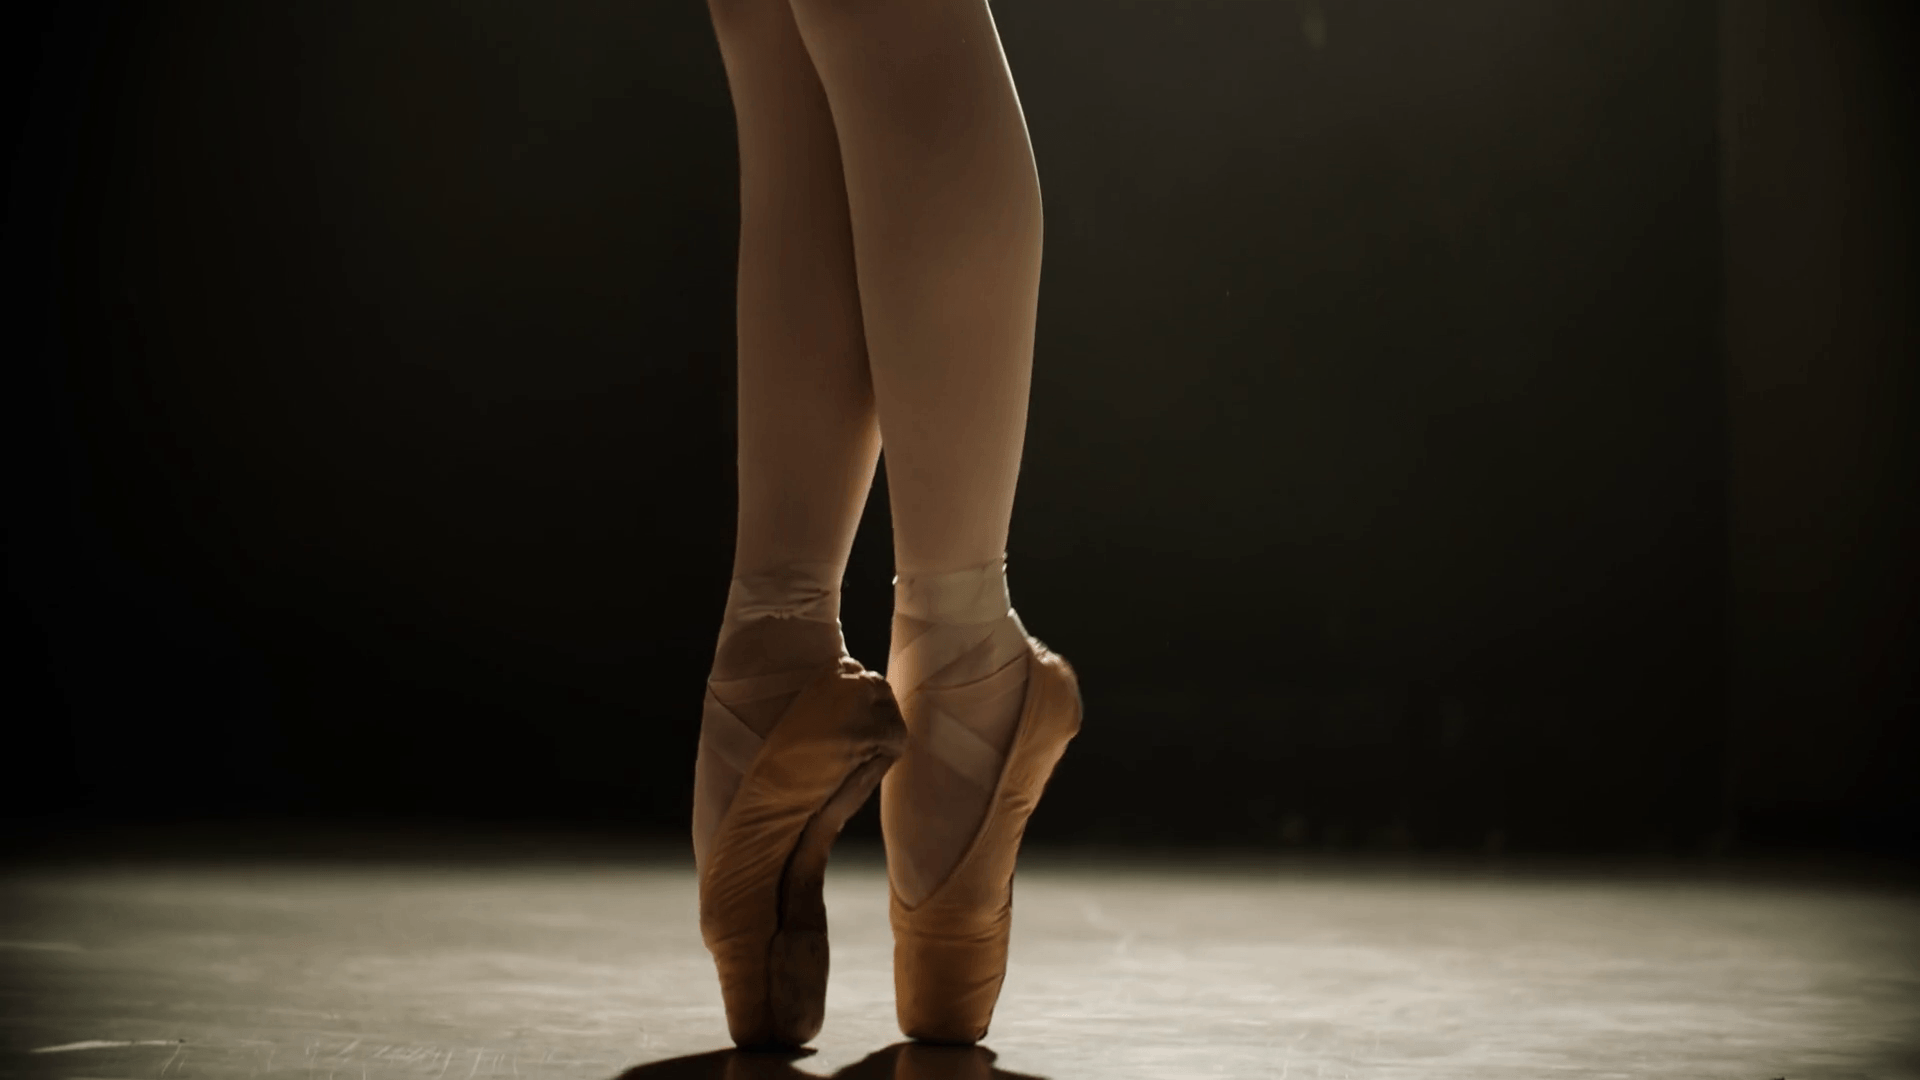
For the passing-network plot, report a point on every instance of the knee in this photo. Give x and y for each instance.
(735, 18)
(875, 24)
(830, 13)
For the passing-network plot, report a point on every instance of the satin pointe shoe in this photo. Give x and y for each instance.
(950, 948)
(761, 912)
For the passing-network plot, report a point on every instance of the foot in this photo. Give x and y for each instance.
(781, 629)
(959, 667)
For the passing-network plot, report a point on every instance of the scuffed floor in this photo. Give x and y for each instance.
(1305, 968)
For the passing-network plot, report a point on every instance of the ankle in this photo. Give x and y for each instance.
(779, 619)
(952, 627)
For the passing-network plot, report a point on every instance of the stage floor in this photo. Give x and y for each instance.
(551, 968)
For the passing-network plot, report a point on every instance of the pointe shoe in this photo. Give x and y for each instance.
(761, 913)
(950, 949)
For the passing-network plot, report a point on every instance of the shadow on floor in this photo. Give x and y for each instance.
(901, 1061)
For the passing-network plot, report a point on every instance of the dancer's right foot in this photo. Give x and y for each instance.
(780, 629)
(788, 752)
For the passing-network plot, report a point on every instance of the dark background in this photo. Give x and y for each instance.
(1468, 424)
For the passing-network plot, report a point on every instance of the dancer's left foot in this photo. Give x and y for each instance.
(958, 667)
